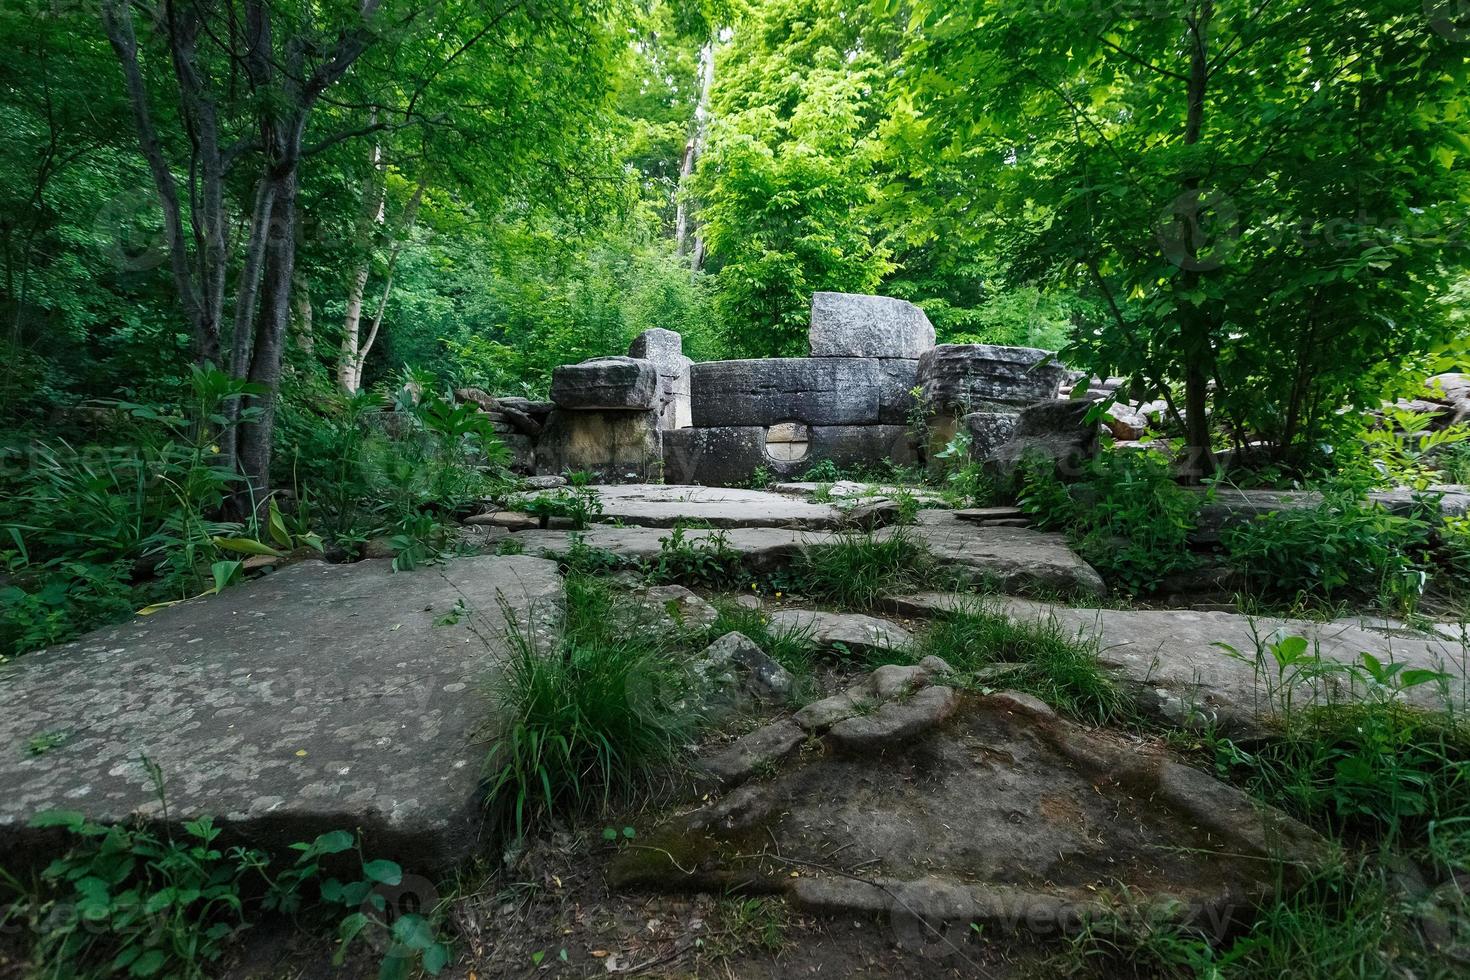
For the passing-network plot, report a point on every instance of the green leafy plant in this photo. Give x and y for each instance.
(578, 505)
(706, 560)
(856, 570)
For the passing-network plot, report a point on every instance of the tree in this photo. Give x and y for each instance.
(1260, 195)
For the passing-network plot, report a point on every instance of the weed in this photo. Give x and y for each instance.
(823, 471)
(579, 505)
(510, 546)
(855, 571)
(708, 560)
(1038, 658)
(581, 558)
(587, 718)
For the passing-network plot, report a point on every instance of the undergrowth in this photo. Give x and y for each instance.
(856, 570)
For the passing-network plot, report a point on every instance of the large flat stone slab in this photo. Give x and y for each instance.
(814, 390)
(1170, 661)
(658, 505)
(730, 455)
(761, 549)
(856, 325)
(320, 697)
(1012, 559)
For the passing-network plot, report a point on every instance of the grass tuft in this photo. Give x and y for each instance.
(855, 571)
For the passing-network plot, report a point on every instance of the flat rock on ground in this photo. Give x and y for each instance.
(1170, 661)
(1005, 815)
(1011, 558)
(854, 631)
(320, 697)
(656, 505)
(844, 489)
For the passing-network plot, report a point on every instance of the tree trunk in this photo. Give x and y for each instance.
(1195, 340)
(369, 220)
(692, 147)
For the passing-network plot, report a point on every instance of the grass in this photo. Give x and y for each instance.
(1034, 657)
(855, 571)
(588, 718)
(789, 647)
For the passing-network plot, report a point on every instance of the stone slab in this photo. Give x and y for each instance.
(960, 378)
(814, 390)
(611, 445)
(659, 505)
(825, 630)
(1231, 506)
(855, 325)
(610, 383)
(1013, 559)
(319, 697)
(731, 455)
(1170, 661)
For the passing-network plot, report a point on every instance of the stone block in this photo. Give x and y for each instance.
(615, 446)
(988, 432)
(962, 378)
(1056, 430)
(853, 325)
(665, 348)
(606, 383)
(730, 455)
(814, 390)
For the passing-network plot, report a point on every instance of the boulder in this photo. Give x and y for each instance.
(1058, 431)
(676, 605)
(852, 325)
(735, 670)
(320, 697)
(959, 378)
(665, 349)
(614, 446)
(856, 633)
(730, 455)
(606, 383)
(988, 432)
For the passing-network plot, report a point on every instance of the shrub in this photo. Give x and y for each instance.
(586, 719)
(1342, 547)
(707, 560)
(1126, 515)
(855, 571)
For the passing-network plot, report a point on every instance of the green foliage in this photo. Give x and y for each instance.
(1409, 451)
(1126, 515)
(706, 560)
(578, 505)
(1345, 546)
(587, 718)
(131, 901)
(856, 571)
(990, 650)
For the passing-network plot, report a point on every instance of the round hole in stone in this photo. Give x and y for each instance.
(787, 442)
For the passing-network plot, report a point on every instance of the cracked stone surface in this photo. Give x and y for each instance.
(1006, 815)
(1013, 558)
(1169, 659)
(659, 506)
(319, 697)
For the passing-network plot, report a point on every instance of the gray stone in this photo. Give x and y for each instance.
(960, 378)
(608, 383)
(1013, 559)
(895, 721)
(1226, 506)
(739, 669)
(821, 715)
(749, 755)
(988, 432)
(853, 325)
(319, 697)
(681, 607)
(665, 348)
(814, 390)
(549, 482)
(1056, 430)
(761, 549)
(826, 630)
(657, 505)
(1006, 816)
(613, 446)
(1171, 660)
(730, 455)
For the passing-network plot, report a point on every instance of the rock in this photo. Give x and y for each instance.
(1124, 422)
(731, 455)
(989, 515)
(376, 548)
(665, 349)
(988, 432)
(1225, 506)
(851, 325)
(748, 601)
(522, 451)
(825, 630)
(656, 505)
(1057, 431)
(1171, 661)
(1012, 559)
(895, 721)
(614, 446)
(606, 383)
(821, 715)
(761, 549)
(477, 396)
(511, 520)
(872, 513)
(677, 604)
(739, 670)
(543, 482)
(537, 410)
(956, 379)
(1004, 816)
(321, 697)
(764, 392)
(749, 755)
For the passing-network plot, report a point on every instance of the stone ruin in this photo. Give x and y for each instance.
(874, 388)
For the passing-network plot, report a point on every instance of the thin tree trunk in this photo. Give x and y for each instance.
(369, 220)
(1194, 327)
(692, 148)
(410, 218)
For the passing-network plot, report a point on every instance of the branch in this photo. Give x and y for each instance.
(1137, 59)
